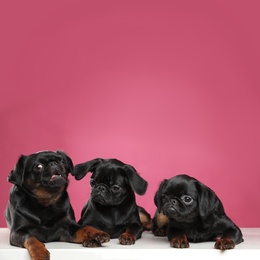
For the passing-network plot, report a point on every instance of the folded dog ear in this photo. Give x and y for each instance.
(82, 169)
(138, 184)
(17, 174)
(68, 161)
(208, 201)
(158, 195)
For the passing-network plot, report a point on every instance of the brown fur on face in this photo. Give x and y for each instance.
(43, 196)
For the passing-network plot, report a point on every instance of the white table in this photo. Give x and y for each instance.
(147, 247)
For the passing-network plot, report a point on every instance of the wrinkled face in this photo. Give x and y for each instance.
(110, 186)
(46, 169)
(179, 199)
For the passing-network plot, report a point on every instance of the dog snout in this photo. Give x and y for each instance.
(174, 201)
(101, 188)
(53, 163)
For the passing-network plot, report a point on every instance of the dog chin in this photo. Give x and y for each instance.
(170, 212)
(100, 200)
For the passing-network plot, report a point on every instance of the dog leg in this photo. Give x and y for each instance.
(90, 237)
(36, 249)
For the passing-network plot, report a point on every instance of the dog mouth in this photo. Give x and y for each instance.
(55, 176)
(99, 199)
(171, 211)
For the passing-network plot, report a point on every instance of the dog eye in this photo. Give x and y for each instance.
(163, 198)
(187, 199)
(38, 167)
(92, 183)
(115, 188)
(63, 162)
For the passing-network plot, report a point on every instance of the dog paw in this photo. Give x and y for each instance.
(43, 255)
(159, 232)
(89, 242)
(179, 242)
(224, 244)
(90, 237)
(95, 239)
(127, 239)
(101, 237)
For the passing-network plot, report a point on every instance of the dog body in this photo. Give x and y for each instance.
(39, 208)
(112, 206)
(187, 210)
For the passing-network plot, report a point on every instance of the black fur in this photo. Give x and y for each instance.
(39, 208)
(187, 210)
(112, 205)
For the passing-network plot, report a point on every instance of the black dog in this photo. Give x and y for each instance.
(39, 209)
(187, 210)
(112, 205)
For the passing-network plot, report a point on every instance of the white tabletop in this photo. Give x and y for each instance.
(146, 247)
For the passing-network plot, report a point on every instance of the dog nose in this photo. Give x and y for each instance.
(53, 163)
(173, 201)
(101, 188)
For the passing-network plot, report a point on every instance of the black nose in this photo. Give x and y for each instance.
(53, 163)
(101, 188)
(173, 201)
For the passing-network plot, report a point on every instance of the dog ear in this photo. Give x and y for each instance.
(158, 195)
(17, 174)
(138, 184)
(208, 201)
(68, 161)
(82, 169)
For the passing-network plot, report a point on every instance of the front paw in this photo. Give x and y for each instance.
(224, 244)
(95, 239)
(127, 239)
(179, 242)
(90, 237)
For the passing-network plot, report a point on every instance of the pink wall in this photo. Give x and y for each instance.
(167, 86)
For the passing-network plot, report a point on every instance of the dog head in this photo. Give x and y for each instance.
(46, 170)
(111, 181)
(184, 198)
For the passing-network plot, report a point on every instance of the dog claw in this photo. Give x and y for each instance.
(101, 237)
(88, 242)
(95, 240)
(179, 242)
(126, 239)
(224, 244)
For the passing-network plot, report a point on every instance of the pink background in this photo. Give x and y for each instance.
(166, 86)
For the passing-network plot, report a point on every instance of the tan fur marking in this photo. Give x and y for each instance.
(37, 249)
(145, 220)
(161, 220)
(47, 198)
